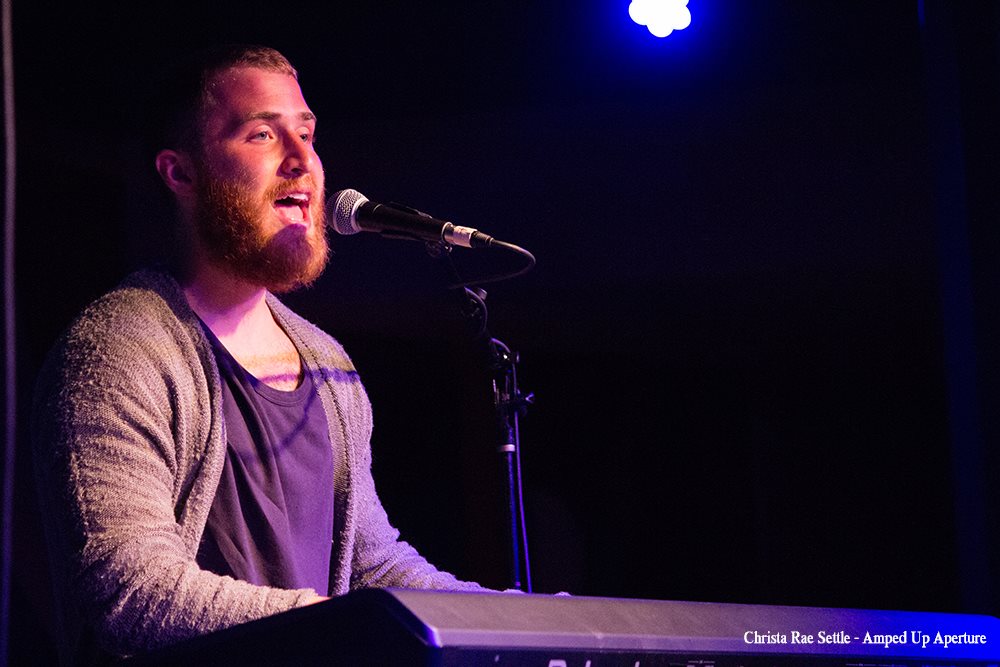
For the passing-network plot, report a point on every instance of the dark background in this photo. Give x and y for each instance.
(762, 328)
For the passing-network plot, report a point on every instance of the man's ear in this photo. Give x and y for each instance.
(176, 170)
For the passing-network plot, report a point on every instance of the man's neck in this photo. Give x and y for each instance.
(238, 315)
(229, 306)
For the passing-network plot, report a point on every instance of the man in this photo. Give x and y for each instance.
(198, 444)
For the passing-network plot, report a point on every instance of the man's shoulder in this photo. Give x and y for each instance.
(309, 337)
(296, 324)
(144, 296)
(146, 310)
(136, 338)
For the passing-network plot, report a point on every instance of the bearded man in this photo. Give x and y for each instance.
(202, 452)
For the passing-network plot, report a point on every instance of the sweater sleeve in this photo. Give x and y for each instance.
(121, 425)
(381, 559)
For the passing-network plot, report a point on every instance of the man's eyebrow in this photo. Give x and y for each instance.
(273, 115)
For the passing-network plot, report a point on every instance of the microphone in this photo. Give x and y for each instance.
(350, 212)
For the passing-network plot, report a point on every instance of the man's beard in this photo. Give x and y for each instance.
(231, 222)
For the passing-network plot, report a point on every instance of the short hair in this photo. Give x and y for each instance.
(184, 94)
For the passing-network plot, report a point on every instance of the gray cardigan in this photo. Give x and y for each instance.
(129, 446)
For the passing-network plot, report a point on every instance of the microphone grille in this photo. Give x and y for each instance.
(343, 206)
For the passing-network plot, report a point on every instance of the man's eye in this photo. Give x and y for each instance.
(260, 136)
(308, 138)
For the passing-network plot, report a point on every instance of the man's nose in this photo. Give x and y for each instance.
(299, 157)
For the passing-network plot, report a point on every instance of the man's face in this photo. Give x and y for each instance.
(260, 203)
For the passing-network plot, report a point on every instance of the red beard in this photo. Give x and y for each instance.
(231, 222)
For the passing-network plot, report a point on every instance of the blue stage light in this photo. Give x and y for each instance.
(661, 17)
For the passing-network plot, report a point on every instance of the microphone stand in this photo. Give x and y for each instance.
(509, 403)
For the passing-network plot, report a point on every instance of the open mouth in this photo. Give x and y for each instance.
(294, 207)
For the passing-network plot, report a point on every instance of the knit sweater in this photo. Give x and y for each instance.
(129, 443)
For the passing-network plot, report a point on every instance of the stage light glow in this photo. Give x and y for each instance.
(661, 17)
